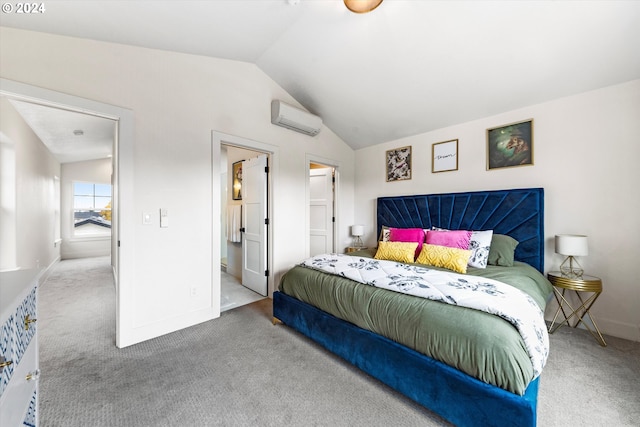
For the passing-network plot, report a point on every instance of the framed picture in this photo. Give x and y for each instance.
(444, 156)
(510, 145)
(399, 164)
(236, 186)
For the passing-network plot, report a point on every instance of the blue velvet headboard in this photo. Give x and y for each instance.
(518, 213)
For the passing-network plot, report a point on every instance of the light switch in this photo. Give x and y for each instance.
(164, 218)
(147, 218)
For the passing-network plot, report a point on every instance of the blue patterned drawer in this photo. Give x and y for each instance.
(24, 335)
(18, 299)
(15, 338)
(7, 351)
(30, 419)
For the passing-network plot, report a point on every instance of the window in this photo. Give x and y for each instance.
(91, 209)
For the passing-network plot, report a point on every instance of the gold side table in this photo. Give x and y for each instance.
(585, 284)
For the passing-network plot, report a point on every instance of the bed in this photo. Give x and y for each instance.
(490, 382)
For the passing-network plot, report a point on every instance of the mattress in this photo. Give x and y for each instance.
(477, 343)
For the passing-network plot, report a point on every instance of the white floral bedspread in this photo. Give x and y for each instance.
(475, 292)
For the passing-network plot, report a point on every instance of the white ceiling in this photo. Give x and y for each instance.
(406, 68)
(57, 129)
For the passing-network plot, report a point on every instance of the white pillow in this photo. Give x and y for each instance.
(384, 234)
(479, 245)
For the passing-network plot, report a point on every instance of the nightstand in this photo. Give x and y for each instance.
(354, 249)
(582, 287)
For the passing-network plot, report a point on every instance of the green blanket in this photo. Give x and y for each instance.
(477, 343)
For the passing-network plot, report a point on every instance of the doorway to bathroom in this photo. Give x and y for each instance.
(244, 217)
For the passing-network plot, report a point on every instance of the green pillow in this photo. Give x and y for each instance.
(502, 250)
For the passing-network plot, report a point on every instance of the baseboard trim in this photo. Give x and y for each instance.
(616, 329)
(45, 273)
(610, 328)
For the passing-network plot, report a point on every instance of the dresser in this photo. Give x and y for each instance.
(18, 348)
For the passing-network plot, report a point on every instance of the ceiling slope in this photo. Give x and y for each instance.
(406, 68)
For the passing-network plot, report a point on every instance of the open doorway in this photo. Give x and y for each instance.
(118, 123)
(322, 208)
(244, 242)
(83, 145)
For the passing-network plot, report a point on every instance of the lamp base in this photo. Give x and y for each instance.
(357, 242)
(571, 271)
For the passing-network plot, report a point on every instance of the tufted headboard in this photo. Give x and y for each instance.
(518, 213)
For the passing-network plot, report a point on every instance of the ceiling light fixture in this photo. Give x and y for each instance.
(362, 6)
(78, 132)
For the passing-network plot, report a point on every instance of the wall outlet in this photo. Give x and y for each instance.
(193, 292)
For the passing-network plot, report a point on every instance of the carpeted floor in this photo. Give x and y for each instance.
(240, 370)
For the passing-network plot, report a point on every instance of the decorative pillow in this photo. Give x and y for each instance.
(502, 250)
(479, 245)
(453, 239)
(396, 251)
(408, 235)
(384, 234)
(442, 256)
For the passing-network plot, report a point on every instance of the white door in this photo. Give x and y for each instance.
(321, 216)
(254, 236)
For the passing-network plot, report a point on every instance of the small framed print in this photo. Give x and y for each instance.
(236, 186)
(444, 156)
(510, 145)
(399, 164)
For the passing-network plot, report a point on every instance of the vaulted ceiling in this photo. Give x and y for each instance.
(406, 68)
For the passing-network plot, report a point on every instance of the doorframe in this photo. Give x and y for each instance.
(218, 140)
(123, 195)
(335, 164)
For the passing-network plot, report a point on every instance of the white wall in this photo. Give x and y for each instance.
(586, 152)
(34, 204)
(97, 171)
(177, 100)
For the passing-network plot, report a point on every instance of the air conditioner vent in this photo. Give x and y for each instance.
(294, 118)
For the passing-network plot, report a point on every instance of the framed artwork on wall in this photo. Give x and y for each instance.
(510, 145)
(398, 162)
(444, 156)
(236, 183)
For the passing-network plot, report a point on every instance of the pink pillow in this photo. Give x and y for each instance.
(452, 239)
(408, 235)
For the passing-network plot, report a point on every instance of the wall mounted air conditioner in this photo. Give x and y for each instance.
(294, 118)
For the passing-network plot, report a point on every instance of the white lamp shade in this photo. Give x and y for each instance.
(357, 230)
(571, 245)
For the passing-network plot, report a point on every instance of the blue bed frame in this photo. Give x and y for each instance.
(454, 395)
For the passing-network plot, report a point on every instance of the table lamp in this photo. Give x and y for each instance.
(357, 231)
(571, 245)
